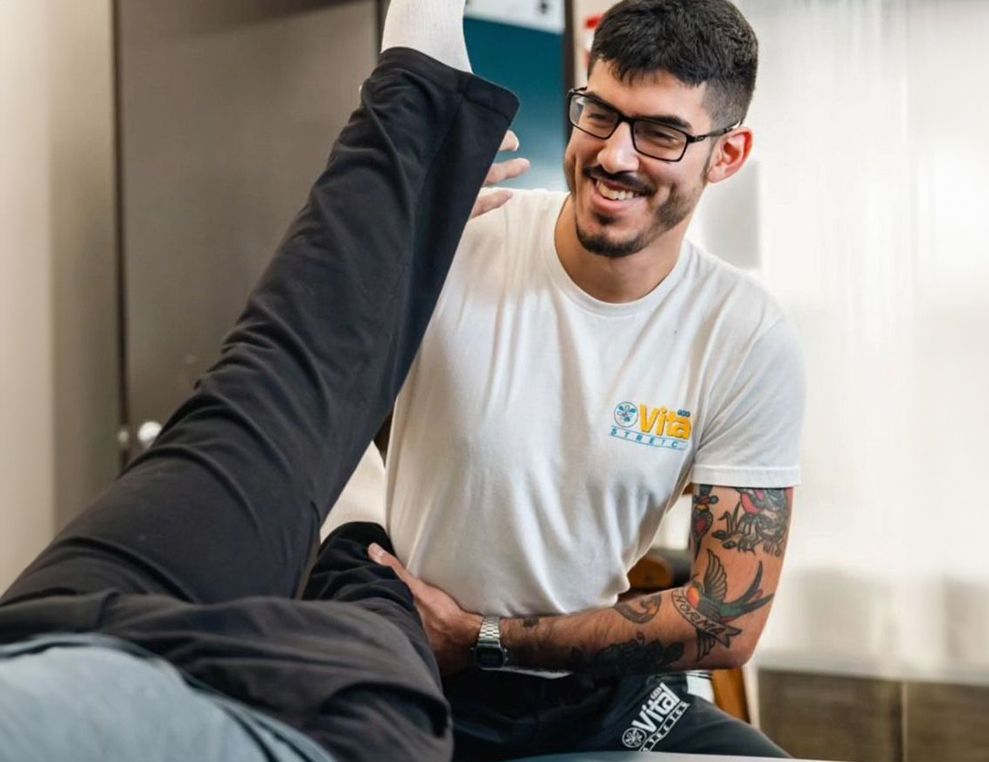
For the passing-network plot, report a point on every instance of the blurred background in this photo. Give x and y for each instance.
(152, 153)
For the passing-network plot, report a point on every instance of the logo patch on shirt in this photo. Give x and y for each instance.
(652, 426)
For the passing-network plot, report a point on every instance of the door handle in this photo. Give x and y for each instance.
(147, 433)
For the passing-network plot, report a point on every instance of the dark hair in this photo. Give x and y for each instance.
(696, 41)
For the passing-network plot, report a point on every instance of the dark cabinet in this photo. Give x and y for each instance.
(226, 112)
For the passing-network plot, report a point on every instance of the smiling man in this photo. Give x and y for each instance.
(584, 364)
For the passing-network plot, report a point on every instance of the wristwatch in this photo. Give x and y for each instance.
(488, 652)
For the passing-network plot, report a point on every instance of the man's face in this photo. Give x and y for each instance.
(663, 194)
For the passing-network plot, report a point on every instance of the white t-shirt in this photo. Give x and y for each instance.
(542, 434)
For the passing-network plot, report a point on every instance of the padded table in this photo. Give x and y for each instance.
(644, 756)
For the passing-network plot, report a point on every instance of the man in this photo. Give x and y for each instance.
(584, 364)
(162, 623)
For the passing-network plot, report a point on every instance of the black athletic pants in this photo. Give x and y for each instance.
(500, 716)
(198, 550)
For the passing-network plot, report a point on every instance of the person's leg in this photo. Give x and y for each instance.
(351, 667)
(355, 675)
(660, 714)
(88, 700)
(229, 500)
(522, 715)
(226, 504)
(708, 730)
(343, 673)
(344, 573)
(496, 715)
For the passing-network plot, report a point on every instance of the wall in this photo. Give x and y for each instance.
(507, 42)
(58, 391)
(871, 224)
(582, 36)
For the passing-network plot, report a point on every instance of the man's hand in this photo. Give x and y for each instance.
(452, 631)
(489, 200)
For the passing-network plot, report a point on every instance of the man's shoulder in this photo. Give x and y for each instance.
(535, 201)
(528, 212)
(738, 297)
(502, 248)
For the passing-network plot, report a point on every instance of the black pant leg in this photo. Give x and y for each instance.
(658, 713)
(229, 500)
(502, 716)
(345, 573)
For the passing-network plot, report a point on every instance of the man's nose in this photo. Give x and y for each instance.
(618, 153)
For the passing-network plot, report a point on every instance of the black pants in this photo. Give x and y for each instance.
(198, 550)
(499, 715)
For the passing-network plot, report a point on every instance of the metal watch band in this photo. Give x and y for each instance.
(488, 651)
(490, 633)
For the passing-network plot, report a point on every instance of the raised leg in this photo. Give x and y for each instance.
(229, 500)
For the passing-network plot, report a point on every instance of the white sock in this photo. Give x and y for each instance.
(433, 27)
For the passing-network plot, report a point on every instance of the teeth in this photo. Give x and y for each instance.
(614, 195)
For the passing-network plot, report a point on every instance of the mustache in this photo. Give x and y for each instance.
(625, 180)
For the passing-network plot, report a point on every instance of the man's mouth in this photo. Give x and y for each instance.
(615, 194)
(616, 191)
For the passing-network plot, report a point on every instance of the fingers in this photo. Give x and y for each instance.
(490, 200)
(510, 142)
(506, 170)
(381, 556)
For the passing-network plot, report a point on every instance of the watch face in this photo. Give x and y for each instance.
(489, 657)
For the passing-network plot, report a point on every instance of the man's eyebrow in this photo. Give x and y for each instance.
(671, 119)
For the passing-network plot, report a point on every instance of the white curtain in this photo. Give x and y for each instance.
(872, 154)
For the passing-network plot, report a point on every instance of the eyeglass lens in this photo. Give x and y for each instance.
(650, 138)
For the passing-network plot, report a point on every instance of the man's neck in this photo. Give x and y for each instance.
(615, 279)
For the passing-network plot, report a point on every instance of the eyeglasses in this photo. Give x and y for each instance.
(651, 138)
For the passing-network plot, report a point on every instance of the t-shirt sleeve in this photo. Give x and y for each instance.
(753, 438)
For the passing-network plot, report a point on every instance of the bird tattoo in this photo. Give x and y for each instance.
(705, 605)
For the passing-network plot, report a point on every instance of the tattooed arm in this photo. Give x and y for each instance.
(738, 536)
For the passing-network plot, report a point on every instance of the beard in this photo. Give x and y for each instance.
(673, 211)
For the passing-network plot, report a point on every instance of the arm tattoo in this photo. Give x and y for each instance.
(761, 517)
(701, 518)
(640, 610)
(531, 621)
(704, 606)
(634, 657)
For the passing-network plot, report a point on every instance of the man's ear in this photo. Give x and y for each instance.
(730, 154)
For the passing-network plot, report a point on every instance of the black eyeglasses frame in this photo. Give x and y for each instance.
(631, 122)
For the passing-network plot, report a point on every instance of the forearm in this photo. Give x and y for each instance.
(645, 635)
(714, 622)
